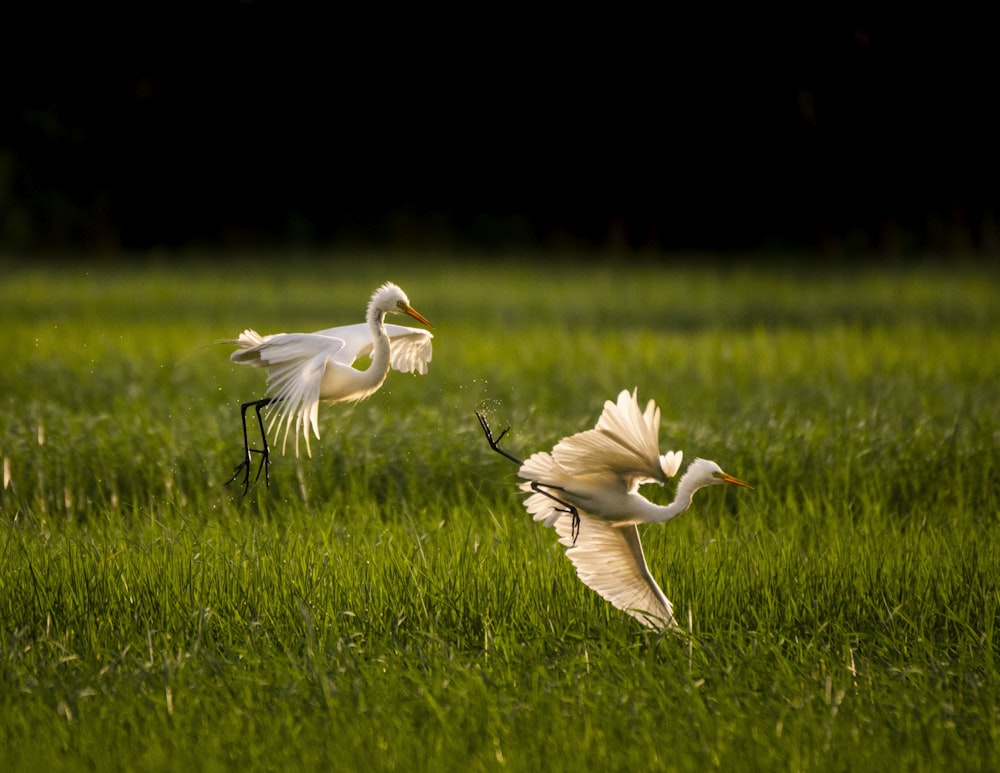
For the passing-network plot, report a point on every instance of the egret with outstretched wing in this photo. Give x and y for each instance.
(305, 369)
(587, 488)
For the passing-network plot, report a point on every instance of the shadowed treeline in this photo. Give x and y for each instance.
(250, 127)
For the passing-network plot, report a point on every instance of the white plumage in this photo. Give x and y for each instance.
(304, 369)
(594, 476)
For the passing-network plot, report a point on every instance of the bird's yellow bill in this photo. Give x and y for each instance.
(735, 481)
(406, 309)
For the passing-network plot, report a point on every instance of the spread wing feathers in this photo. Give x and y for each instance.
(410, 348)
(609, 560)
(625, 441)
(295, 364)
(357, 341)
(296, 393)
(286, 349)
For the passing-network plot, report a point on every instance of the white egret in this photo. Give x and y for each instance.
(304, 369)
(587, 488)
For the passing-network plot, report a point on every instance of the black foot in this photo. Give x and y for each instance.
(245, 465)
(495, 442)
(541, 488)
(567, 507)
(265, 461)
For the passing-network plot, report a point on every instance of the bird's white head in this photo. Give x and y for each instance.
(704, 472)
(390, 299)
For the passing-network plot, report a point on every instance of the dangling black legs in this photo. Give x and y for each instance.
(569, 509)
(265, 461)
(540, 488)
(495, 444)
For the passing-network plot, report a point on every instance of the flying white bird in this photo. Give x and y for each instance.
(304, 369)
(587, 488)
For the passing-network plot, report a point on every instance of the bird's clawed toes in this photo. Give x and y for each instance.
(495, 441)
(571, 511)
(236, 473)
(265, 461)
(245, 467)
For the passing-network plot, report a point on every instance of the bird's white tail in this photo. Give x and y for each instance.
(542, 469)
(246, 354)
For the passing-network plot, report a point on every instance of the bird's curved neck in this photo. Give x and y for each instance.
(380, 339)
(682, 501)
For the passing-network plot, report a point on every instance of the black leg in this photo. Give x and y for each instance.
(495, 443)
(567, 507)
(265, 461)
(537, 487)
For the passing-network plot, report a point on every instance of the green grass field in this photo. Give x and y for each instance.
(388, 604)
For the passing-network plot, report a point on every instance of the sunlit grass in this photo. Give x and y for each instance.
(387, 604)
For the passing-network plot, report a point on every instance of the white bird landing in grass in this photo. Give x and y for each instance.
(304, 369)
(587, 488)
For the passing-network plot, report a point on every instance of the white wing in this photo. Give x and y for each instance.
(283, 349)
(295, 364)
(609, 559)
(410, 348)
(625, 441)
(357, 341)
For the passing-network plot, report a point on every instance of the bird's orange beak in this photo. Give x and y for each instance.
(735, 481)
(415, 314)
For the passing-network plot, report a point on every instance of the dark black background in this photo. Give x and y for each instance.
(241, 125)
